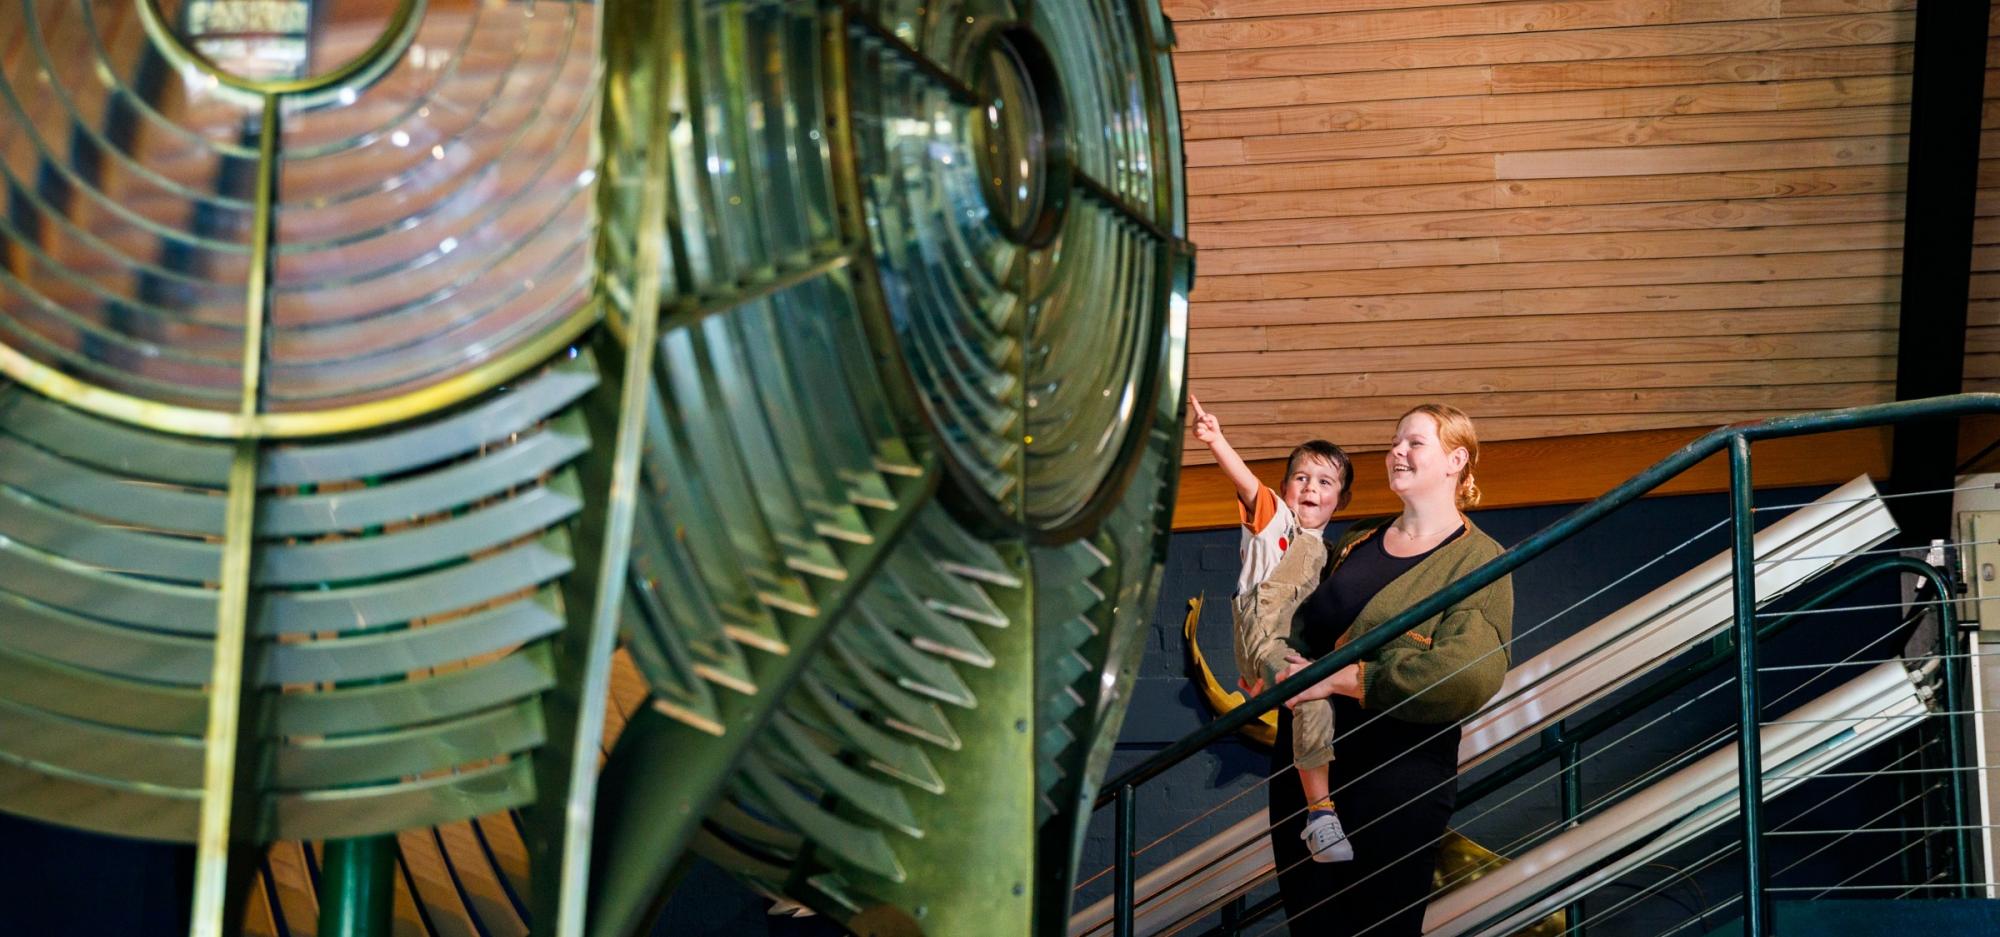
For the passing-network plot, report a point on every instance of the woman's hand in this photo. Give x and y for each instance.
(1343, 682)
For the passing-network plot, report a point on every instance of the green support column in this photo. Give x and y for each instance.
(357, 892)
(357, 889)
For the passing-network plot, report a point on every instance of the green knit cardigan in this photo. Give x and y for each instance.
(1448, 666)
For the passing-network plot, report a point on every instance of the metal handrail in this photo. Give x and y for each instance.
(1736, 439)
(1562, 741)
(1723, 652)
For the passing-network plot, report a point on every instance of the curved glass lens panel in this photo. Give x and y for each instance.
(922, 282)
(1010, 158)
(440, 216)
(424, 214)
(128, 215)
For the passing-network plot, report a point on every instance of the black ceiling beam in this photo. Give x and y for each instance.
(1946, 95)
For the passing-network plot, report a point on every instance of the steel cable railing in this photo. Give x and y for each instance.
(1737, 440)
(1213, 871)
(1637, 783)
(1797, 689)
(1645, 779)
(1507, 646)
(1771, 560)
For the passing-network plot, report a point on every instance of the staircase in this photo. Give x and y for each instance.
(1602, 675)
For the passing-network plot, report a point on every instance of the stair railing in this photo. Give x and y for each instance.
(1562, 742)
(1736, 440)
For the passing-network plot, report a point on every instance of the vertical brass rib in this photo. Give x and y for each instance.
(594, 646)
(221, 770)
(225, 702)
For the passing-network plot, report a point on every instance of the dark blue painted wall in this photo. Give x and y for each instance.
(55, 881)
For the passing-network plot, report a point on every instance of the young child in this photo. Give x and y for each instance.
(1283, 554)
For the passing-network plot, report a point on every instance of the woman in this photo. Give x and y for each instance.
(1397, 710)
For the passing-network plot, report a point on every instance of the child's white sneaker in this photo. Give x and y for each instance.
(1325, 839)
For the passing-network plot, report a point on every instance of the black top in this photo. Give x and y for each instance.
(1327, 614)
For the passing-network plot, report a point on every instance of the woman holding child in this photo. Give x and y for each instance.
(1397, 711)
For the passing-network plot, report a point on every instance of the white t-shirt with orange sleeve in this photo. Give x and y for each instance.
(1267, 531)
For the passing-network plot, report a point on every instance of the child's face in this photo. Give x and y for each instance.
(1312, 491)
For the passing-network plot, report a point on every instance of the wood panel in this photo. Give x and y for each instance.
(1275, 441)
(1695, 242)
(1777, 65)
(1703, 158)
(1530, 77)
(1590, 223)
(1344, 387)
(1554, 301)
(1558, 219)
(1242, 9)
(1577, 45)
(1602, 161)
(1515, 403)
(1573, 469)
(1483, 19)
(1454, 278)
(1555, 105)
(1542, 354)
(1567, 469)
(1545, 135)
(1546, 193)
(1809, 320)
(1982, 321)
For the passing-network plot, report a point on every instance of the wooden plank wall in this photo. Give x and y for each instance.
(1982, 315)
(1567, 216)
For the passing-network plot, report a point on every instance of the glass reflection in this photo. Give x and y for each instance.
(430, 215)
(1008, 166)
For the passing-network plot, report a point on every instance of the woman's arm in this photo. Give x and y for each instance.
(1457, 673)
(1343, 682)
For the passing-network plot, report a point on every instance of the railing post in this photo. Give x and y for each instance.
(1749, 748)
(1232, 916)
(1954, 743)
(1121, 876)
(1572, 807)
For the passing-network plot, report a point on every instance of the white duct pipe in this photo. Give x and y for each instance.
(1693, 607)
(1849, 719)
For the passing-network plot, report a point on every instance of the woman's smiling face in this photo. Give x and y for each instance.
(1417, 462)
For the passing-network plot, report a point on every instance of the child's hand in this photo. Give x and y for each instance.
(1293, 664)
(1343, 682)
(1207, 428)
(1250, 689)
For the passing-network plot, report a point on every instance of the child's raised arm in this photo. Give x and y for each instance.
(1208, 429)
